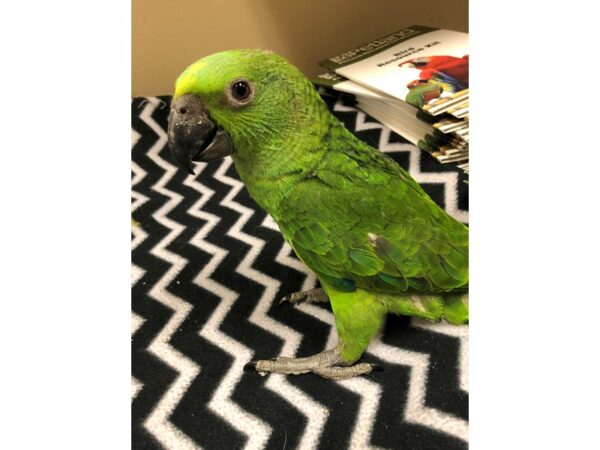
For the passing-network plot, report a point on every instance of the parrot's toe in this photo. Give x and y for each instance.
(311, 296)
(345, 372)
(327, 364)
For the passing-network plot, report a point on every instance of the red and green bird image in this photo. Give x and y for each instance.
(437, 74)
(422, 92)
(376, 241)
(450, 71)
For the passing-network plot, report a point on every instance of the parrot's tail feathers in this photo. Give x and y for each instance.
(456, 309)
(453, 308)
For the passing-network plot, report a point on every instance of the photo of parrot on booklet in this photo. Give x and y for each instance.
(376, 241)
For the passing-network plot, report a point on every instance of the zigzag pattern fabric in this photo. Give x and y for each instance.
(208, 270)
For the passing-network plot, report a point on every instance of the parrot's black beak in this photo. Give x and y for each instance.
(193, 136)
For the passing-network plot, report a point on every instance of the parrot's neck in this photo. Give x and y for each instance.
(270, 187)
(299, 152)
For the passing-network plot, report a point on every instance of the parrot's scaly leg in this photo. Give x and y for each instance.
(343, 373)
(312, 296)
(323, 364)
(297, 366)
(358, 316)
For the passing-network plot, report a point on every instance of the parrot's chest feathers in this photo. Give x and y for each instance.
(270, 184)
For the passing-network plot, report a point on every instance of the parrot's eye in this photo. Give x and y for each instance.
(240, 92)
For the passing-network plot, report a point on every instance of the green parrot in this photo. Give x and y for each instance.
(376, 241)
(421, 93)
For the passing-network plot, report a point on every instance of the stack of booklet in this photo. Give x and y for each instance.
(416, 82)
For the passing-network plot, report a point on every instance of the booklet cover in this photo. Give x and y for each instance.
(416, 126)
(419, 65)
(401, 114)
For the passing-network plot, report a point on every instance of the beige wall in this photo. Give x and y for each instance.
(167, 36)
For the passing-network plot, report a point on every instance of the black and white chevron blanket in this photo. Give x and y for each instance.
(208, 270)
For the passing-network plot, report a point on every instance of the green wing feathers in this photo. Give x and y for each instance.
(361, 221)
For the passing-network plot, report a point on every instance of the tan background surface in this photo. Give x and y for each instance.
(167, 36)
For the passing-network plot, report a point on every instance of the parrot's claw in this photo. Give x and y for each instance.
(312, 296)
(327, 364)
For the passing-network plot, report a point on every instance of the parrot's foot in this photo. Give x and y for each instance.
(345, 372)
(324, 364)
(312, 296)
